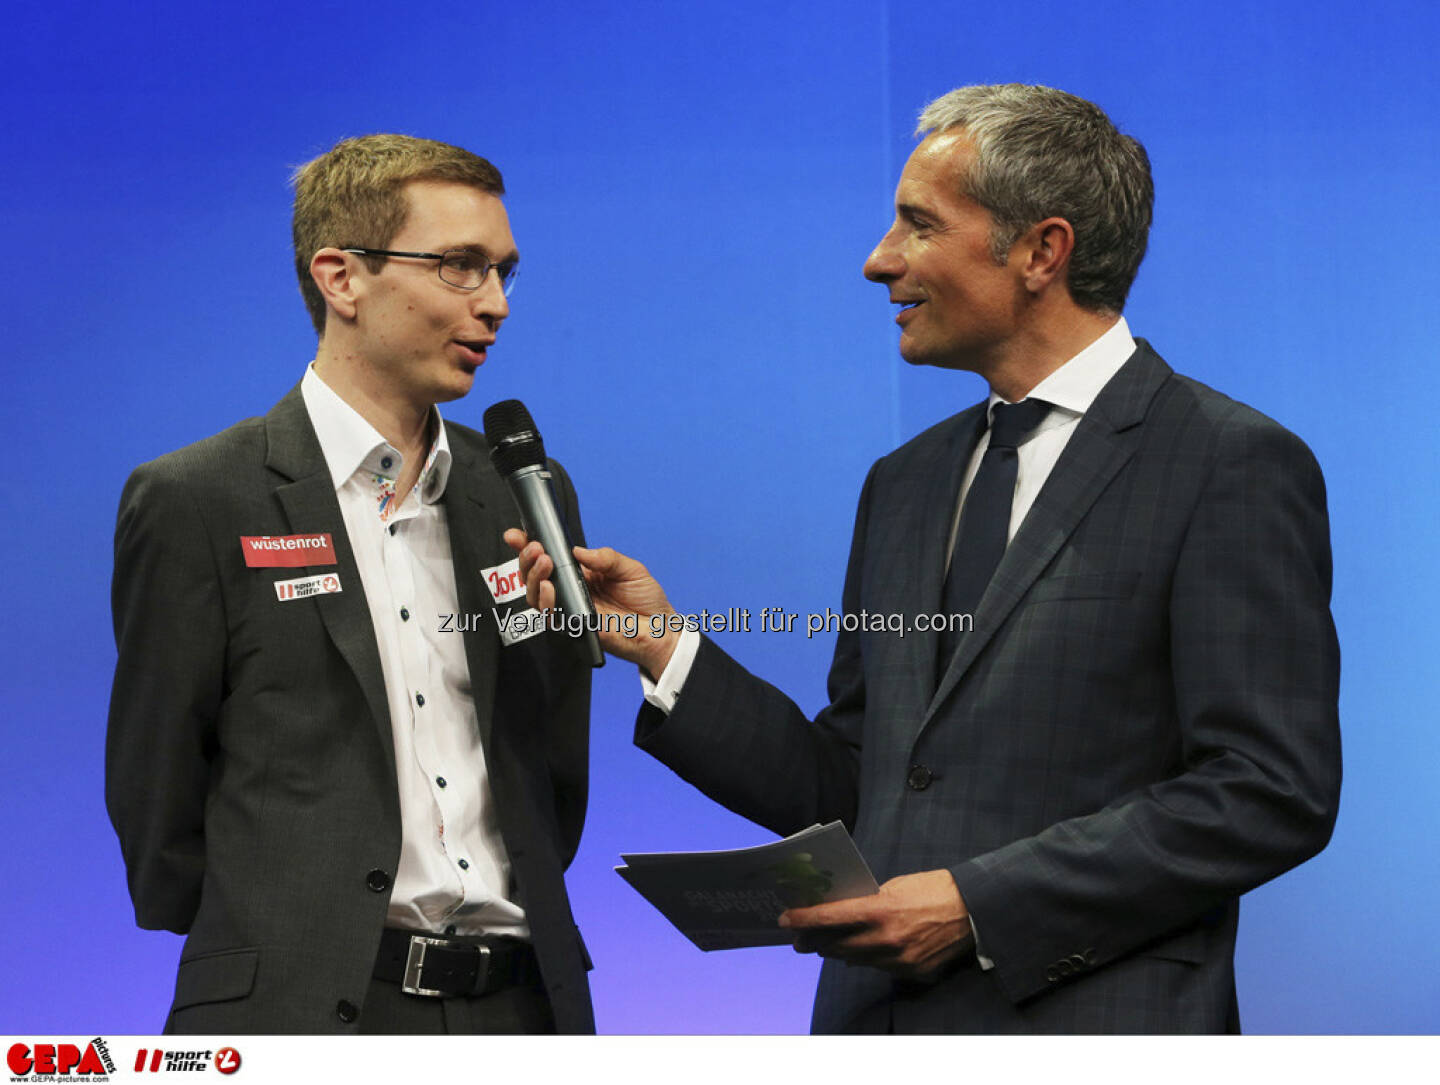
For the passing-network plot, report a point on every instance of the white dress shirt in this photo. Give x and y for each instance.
(1071, 389)
(454, 872)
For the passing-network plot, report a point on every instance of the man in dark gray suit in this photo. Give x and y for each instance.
(1128, 716)
(324, 762)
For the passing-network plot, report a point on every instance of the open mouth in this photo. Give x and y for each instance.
(475, 348)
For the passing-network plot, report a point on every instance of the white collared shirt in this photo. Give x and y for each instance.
(454, 871)
(1071, 389)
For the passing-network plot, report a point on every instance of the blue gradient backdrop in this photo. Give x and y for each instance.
(694, 187)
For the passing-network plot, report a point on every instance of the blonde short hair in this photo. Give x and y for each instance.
(353, 196)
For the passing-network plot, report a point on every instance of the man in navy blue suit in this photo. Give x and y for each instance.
(1127, 717)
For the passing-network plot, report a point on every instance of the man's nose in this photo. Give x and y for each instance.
(884, 263)
(489, 300)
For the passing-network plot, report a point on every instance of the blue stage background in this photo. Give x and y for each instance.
(694, 187)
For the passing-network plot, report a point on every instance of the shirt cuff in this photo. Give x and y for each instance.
(666, 691)
(986, 964)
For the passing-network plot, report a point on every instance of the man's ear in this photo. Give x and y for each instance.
(1045, 249)
(330, 268)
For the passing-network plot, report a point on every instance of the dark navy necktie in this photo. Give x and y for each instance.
(985, 519)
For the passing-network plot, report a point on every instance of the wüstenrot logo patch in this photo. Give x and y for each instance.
(287, 551)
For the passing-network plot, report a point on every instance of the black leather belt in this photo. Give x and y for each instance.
(441, 966)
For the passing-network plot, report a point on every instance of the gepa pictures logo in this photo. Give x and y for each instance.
(60, 1062)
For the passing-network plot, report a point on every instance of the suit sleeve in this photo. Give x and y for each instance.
(1255, 667)
(170, 638)
(568, 724)
(750, 748)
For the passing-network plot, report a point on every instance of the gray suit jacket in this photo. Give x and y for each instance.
(250, 765)
(1141, 727)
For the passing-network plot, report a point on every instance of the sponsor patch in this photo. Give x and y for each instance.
(306, 586)
(287, 551)
(519, 625)
(504, 581)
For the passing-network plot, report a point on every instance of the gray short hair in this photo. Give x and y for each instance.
(1041, 152)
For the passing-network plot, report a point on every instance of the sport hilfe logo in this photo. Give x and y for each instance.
(306, 586)
(156, 1059)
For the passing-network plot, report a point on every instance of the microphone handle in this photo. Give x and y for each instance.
(530, 487)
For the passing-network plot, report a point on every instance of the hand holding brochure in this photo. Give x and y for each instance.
(732, 899)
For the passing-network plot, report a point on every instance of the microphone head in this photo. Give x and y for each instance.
(514, 440)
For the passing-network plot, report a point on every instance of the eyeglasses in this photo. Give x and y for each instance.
(458, 267)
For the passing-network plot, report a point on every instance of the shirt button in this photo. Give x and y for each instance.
(404, 614)
(464, 865)
(420, 699)
(346, 1011)
(440, 780)
(377, 880)
(919, 778)
(394, 528)
(385, 462)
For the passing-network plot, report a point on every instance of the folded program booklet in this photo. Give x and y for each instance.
(732, 899)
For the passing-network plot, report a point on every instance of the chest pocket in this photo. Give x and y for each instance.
(1085, 586)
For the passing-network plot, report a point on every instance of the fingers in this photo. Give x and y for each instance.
(535, 569)
(855, 912)
(831, 930)
(536, 566)
(608, 563)
(620, 587)
(874, 946)
(914, 927)
(827, 942)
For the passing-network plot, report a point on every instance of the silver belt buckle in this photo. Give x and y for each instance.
(415, 964)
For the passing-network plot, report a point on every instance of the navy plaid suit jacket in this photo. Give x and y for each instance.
(1141, 727)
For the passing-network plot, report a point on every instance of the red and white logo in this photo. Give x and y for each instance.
(157, 1059)
(504, 581)
(62, 1060)
(287, 551)
(306, 586)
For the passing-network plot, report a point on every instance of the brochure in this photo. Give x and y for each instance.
(732, 899)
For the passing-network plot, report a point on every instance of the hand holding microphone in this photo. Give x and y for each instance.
(620, 587)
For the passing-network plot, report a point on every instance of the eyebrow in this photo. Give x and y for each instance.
(513, 257)
(912, 211)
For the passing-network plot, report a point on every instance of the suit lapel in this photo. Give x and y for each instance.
(308, 498)
(1104, 439)
(474, 495)
(935, 498)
